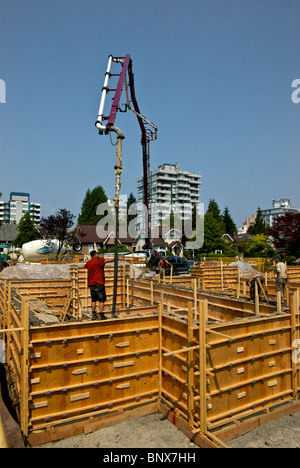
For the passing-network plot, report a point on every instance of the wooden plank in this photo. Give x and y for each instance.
(24, 366)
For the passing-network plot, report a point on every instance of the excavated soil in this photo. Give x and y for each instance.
(155, 431)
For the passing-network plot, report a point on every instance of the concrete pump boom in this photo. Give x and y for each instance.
(147, 135)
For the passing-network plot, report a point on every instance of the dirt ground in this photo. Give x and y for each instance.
(155, 431)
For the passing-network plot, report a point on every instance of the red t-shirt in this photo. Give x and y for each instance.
(95, 271)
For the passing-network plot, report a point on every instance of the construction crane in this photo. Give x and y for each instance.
(106, 125)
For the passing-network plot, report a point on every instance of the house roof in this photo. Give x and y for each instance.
(8, 232)
(88, 234)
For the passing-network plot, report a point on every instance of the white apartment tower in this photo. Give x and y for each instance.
(279, 208)
(19, 203)
(171, 191)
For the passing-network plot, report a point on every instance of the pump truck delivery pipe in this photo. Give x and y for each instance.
(147, 136)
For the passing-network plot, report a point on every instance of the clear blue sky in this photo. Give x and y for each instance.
(214, 76)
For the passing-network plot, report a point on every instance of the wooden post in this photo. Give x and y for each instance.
(278, 295)
(238, 286)
(4, 300)
(244, 285)
(86, 290)
(123, 284)
(128, 298)
(171, 274)
(195, 296)
(159, 352)
(256, 299)
(24, 366)
(162, 301)
(190, 366)
(222, 285)
(151, 297)
(8, 325)
(202, 366)
(295, 369)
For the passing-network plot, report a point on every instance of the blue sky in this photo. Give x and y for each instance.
(214, 76)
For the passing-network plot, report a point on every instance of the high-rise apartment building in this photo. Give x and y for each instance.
(171, 191)
(279, 208)
(19, 203)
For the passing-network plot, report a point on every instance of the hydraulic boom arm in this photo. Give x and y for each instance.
(148, 133)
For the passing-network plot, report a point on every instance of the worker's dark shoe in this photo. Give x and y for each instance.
(97, 316)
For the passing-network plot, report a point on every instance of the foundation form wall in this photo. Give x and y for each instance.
(213, 364)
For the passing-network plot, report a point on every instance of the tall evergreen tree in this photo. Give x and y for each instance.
(214, 209)
(27, 231)
(259, 227)
(230, 226)
(130, 201)
(213, 231)
(90, 204)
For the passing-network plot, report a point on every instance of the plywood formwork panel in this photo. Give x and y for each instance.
(81, 366)
(225, 307)
(209, 358)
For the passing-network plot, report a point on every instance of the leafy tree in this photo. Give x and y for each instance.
(230, 226)
(259, 227)
(58, 227)
(286, 233)
(90, 204)
(27, 231)
(259, 247)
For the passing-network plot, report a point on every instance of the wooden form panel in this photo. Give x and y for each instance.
(88, 367)
(251, 370)
(220, 307)
(218, 278)
(175, 388)
(211, 372)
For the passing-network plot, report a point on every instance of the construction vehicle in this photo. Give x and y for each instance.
(106, 124)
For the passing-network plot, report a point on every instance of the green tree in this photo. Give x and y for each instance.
(213, 231)
(214, 209)
(259, 227)
(230, 226)
(58, 227)
(90, 204)
(259, 247)
(130, 201)
(27, 231)
(214, 228)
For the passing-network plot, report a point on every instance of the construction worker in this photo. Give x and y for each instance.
(280, 276)
(162, 266)
(252, 281)
(96, 283)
